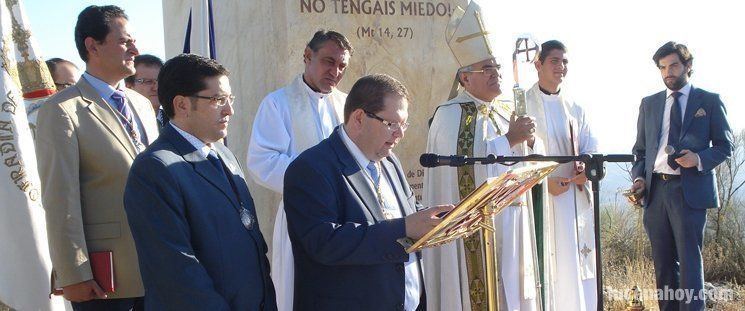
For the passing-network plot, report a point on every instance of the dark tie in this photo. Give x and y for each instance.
(215, 160)
(162, 118)
(673, 135)
(246, 218)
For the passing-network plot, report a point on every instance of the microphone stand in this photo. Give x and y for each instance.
(594, 170)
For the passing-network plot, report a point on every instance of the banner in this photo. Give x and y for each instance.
(200, 30)
(25, 266)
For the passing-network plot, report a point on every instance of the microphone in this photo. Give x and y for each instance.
(433, 160)
(619, 158)
(669, 150)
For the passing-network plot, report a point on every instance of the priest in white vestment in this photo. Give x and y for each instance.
(569, 241)
(290, 120)
(476, 124)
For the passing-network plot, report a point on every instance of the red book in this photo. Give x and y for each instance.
(102, 266)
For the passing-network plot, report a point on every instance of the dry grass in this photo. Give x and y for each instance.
(627, 261)
(621, 277)
(626, 256)
(736, 304)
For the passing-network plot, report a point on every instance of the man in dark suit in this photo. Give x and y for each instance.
(192, 217)
(350, 211)
(682, 135)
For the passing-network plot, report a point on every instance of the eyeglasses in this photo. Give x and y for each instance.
(62, 86)
(218, 101)
(148, 82)
(392, 126)
(487, 70)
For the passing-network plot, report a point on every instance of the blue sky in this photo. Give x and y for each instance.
(610, 48)
(53, 23)
(610, 53)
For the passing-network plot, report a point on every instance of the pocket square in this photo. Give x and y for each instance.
(700, 113)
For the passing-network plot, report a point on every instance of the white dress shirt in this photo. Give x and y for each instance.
(660, 162)
(204, 150)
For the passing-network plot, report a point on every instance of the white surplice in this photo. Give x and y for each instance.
(289, 121)
(569, 240)
(446, 278)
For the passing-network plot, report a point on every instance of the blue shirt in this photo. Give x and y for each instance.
(102, 88)
(106, 90)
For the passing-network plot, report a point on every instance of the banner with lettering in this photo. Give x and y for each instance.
(25, 265)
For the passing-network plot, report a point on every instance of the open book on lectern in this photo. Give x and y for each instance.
(489, 199)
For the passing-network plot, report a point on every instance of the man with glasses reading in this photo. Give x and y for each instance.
(289, 121)
(350, 210)
(475, 124)
(191, 214)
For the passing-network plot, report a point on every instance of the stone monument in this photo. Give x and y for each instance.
(262, 42)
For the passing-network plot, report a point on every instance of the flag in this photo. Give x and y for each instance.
(200, 33)
(25, 265)
(31, 72)
(200, 30)
(34, 78)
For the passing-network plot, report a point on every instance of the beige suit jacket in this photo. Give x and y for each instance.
(84, 156)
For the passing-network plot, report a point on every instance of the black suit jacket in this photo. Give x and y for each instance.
(346, 253)
(194, 252)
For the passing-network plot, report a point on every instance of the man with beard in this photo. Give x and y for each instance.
(567, 253)
(682, 135)
(290, 120)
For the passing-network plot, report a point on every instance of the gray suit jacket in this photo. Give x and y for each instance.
(84, 156)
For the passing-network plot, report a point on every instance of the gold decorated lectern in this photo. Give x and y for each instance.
(475, 213)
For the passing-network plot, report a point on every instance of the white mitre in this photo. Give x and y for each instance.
(467, 36)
